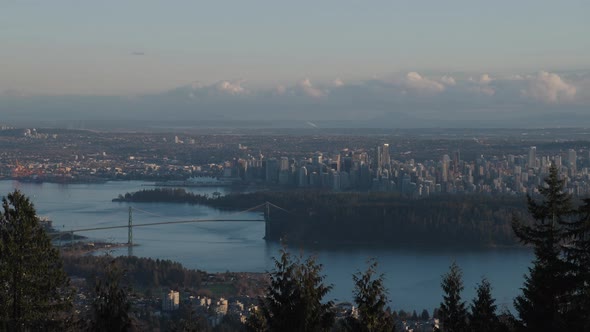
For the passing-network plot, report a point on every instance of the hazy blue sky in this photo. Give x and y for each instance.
(126, 47)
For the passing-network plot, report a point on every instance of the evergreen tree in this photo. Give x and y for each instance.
(402, 314)
(483, 316)
(370, 296)
(294, 298)
(34, 288)
(543, 304)
(111, 305)
(424, 315)
(453, 315)
(256, 322)
(577, 253)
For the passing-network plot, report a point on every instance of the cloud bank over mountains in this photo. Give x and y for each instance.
(542, 87)
(409, 99)
(549, 88)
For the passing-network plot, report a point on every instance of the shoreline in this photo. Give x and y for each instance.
(90, 248)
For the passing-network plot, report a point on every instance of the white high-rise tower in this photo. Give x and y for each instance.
(385, 155)
(532, 157)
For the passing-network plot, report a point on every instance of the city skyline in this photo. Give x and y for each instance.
(231, 165)
(386, 163)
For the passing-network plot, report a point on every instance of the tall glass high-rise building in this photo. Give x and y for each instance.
(385, 159)
(532, 162)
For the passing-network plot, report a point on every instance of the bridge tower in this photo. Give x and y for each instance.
(267, 220)
(130, 228)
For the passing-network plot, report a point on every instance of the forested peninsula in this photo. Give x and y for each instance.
(383, 219)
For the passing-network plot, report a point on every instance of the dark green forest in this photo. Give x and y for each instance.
(143, 273)
(385, 219)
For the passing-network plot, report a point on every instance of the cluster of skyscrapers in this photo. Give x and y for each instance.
(375, 170)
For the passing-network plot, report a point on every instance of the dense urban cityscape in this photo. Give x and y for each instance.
(264, 166)
(420, 165)
(316, 161)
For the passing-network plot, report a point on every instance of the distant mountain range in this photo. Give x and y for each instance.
(228, 105)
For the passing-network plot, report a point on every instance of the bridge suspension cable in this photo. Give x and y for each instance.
(169, 222)
(277, 207)
(165, 223)
(130, 224)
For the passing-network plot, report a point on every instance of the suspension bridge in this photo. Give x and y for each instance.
(130, 225)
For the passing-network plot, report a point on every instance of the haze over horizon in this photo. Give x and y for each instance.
(304, 64)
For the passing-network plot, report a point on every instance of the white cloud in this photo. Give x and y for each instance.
(415, 81)
(337, 82)
(309, 90)
(482, 86)
(443, 99)
(549, 88)
(198, 90)
(411, 87)
(448, 80)
(485, 79)
(193, 89)
(232, 88)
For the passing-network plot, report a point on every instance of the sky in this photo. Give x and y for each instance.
(400, 53)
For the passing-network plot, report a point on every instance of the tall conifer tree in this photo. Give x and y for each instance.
(453, 314)
(370, 296)
(544, 301)
(33, 284)
(577, 254)
(295, 297)
(111, 305)
(483, 310)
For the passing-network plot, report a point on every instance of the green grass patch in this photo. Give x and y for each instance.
(219, 290)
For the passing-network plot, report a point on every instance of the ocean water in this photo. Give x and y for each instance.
(412, 276)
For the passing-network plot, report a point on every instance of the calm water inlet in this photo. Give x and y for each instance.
(412, 276)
